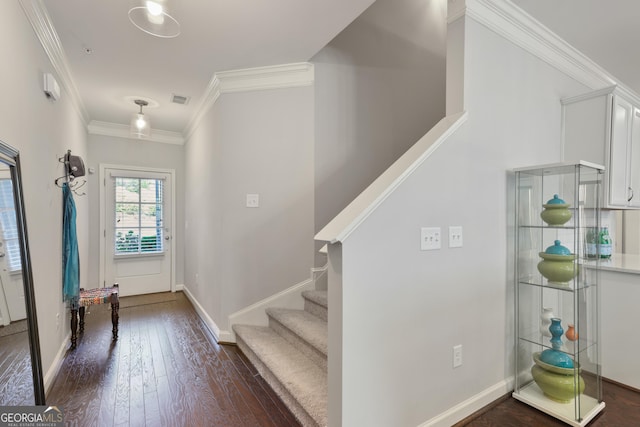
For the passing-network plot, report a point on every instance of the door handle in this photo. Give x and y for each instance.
(2, 254)
(167, 237)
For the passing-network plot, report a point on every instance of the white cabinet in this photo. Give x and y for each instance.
(603, 127)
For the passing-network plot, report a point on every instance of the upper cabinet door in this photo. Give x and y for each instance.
(603, 127)
(619, 154)
(634, 161)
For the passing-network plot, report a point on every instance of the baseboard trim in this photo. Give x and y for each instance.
(471, 405)
(54, 369)
(180, 287)
(206, 319)
(255, 314)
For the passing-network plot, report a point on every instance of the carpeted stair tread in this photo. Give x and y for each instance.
(297, 374)
(309, 328)
(315, 302)
(319, 297)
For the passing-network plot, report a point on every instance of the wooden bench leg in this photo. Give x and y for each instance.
(115, 307)
(81, 313)
(74, 327)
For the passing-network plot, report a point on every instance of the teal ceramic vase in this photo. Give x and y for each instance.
(553, 356)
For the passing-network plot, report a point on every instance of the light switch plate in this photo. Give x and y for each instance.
(253, 200)
(430, 238)
(455, 236)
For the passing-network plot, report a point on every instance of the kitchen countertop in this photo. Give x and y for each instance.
(623, 263)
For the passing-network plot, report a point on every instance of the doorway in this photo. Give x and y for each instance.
(137, 214)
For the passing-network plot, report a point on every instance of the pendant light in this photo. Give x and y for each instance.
(152, 18)
(140, 125)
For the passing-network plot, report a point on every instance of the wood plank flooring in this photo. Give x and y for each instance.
(164, 370)
(16, 378)
(622, 410)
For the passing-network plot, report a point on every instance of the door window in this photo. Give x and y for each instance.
(138, 216)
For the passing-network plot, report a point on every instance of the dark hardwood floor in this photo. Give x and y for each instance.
(16, 378)
(622, 410)
(164, 370)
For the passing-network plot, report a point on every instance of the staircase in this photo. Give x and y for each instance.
(291, 355)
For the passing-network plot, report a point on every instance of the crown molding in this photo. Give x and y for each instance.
(250, 79)
(455, 10)
(40, 21)
(517, 26)
(122, 131)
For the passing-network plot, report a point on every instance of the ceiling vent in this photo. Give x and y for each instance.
(179, 99)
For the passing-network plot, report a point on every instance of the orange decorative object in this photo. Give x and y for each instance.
(571, 333)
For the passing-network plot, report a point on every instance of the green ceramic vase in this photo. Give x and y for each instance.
(558, 387)
(559, 269)
(556, 212)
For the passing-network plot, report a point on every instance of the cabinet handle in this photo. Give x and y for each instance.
(631, 196)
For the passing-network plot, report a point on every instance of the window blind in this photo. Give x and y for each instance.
(9, 226)
(138, 215)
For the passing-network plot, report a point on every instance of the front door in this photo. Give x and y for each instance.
(138, 253)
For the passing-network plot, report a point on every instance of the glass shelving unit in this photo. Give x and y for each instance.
(571, 394)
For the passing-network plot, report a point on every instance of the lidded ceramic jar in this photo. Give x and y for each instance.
(557, 264)
(558, 384)
(556, 211)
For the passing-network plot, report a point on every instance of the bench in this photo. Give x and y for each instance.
(93, 297)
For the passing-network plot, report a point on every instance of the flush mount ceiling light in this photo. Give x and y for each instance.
(140, 126)
(152, 18)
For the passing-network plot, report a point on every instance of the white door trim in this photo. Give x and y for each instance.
(103, 201)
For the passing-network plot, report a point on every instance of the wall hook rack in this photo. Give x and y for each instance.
(73, 168)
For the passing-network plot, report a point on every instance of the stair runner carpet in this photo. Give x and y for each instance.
(291, 355)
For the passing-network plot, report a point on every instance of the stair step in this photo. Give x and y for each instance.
(305, 331)
(315, 302)
(298, 380)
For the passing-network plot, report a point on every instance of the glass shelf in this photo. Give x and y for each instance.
(544, 283)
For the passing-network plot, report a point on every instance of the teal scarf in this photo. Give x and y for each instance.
(70, 257)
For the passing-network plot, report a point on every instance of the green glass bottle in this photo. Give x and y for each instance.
(591, 242)
(605, 243)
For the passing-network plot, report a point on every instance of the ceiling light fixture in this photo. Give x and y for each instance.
(152, 18)
(140, 126)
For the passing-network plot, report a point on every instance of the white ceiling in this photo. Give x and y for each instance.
(216, 35)
(607, 32)
(219, 35)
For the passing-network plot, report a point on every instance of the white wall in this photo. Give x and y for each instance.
(380, 86)
(249, 142)
(128, 152)
(404, 309)
(42, 130)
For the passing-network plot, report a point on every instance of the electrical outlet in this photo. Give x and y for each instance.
(455, 236)
(457, 355)
(430, 238)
